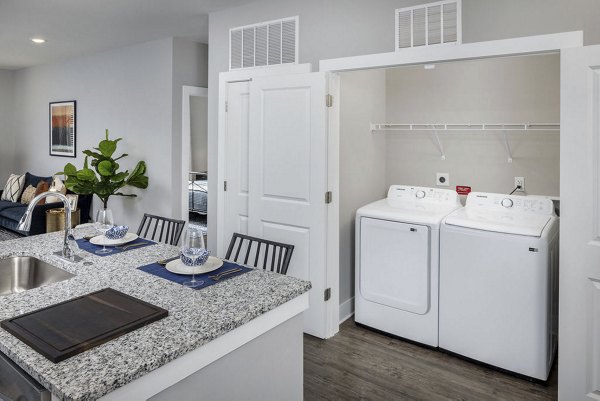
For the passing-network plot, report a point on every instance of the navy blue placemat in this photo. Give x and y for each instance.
(136, 244)
(161, 271)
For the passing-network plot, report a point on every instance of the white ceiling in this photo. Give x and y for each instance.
(77, 27)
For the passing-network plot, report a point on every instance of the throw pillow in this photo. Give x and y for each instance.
(13, 188)
(33, 180)
(42, 187)
(57, 186)
(28, 195)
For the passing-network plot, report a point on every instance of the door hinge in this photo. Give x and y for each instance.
(328, 197)
(327, 295)
(329, 100)
(226, 106)
(224, 185)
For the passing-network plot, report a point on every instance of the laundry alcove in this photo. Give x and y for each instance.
(502, 90)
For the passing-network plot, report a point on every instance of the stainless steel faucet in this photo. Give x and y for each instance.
(25, 222)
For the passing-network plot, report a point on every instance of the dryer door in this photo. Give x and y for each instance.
(395, 264)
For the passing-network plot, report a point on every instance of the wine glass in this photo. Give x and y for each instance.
(192, 247)
(104, 221)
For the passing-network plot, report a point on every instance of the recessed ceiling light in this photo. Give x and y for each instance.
(39, 41)
(429, 66)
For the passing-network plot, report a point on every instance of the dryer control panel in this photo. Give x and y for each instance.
(510, 203)
(406, 193)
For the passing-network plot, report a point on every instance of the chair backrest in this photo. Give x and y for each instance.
(161, 229)
(260, 253)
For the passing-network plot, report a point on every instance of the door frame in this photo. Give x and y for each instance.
(186, 137)
(539, 44)
(332, 254)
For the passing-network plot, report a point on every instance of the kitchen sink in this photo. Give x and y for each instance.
(22, 273)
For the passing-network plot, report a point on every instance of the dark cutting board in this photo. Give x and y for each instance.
(69, 328)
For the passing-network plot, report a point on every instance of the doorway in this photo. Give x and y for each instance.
(194, 156)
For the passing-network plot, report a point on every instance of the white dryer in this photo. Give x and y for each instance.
(397, 263)
(498, 282)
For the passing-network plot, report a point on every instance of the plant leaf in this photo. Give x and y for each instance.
(107, 147)
(70, 169)
(120, 176)
(137, 178)
(86, 175)
(92, 154)
(106, 168)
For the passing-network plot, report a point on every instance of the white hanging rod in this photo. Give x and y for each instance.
(465, 127)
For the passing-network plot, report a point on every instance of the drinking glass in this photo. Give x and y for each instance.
(104, 221)
(192, 247)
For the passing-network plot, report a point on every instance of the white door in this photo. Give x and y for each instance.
(288, 177)
(236, 164)
(579, 310)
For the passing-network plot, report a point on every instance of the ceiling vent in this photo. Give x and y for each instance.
(429, 24)
(264, 44)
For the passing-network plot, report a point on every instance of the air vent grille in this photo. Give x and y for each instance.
(264, 44)
(428, 24)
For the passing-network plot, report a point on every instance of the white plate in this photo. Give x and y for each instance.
(176, 266)
(102, 240)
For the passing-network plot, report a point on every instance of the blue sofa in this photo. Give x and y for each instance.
(11, 212)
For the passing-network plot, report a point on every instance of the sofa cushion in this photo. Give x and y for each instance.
(34, 180)
(27, 195)
(14, 213)
(7, 204)
(13, 188)
(42, 187)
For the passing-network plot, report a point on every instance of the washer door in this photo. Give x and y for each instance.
(395, 264)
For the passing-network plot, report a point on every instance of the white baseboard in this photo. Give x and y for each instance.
(346, 310)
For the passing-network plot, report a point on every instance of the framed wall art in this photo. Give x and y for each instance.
(63, 129)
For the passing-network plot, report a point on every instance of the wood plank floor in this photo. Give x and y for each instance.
(360, 364)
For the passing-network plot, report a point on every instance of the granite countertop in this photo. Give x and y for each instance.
(195, 316)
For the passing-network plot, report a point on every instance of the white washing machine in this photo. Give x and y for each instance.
(498, 282)
(397, 263)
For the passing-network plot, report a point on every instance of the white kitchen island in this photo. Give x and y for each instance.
(240, 339)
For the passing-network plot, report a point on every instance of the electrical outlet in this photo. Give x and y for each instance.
(442, 179)
(520, 184)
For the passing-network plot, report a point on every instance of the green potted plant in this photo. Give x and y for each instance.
(103, 178)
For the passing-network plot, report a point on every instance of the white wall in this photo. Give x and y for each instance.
(128, 91)
(502, 90)
(199, 133)
(362, 161)
(7, 110)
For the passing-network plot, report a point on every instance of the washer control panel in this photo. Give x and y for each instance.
(510, 203)
(405, 193)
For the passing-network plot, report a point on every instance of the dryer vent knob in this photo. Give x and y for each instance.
(420, 194)
(506, 202)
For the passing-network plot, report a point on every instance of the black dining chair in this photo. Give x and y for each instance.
(267, 255)
(161, 229)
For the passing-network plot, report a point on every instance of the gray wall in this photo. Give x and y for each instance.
(7, 111)
(127, 91)
(493, 19)
(340, 28)
(362, 161)
(199, 133)
(503, 90)
(190, 68)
